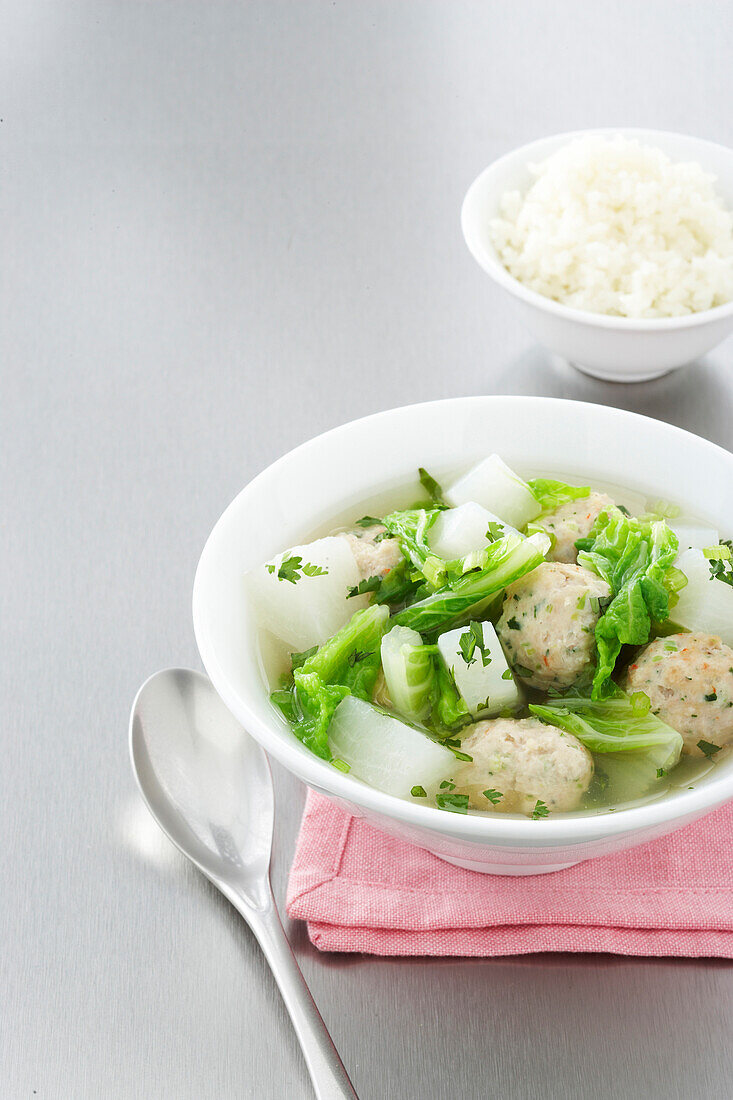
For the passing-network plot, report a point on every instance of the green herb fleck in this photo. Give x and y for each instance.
(493, 796)
(540, 809)
(495, 531)
(418, 792)
(513, 623)
(299, 659)
(431, 486)
(472, 640)
(506, 674)
(455, 803)
(368, 521)
(357, 655)
(292, 566)
(708, 748)
(368, 584)
(721, 567)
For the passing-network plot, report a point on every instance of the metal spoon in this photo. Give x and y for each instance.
(208, 785)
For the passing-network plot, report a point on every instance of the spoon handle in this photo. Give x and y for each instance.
(330, 1079)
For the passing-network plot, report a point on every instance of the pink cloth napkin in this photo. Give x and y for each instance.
(360, 890)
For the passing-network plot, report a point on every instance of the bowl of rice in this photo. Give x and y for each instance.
(617, 246)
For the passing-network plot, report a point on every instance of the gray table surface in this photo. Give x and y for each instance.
(226, 228)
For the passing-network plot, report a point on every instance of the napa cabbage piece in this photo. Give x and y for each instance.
(634, 556)
(638, 748)
(347, 664)
(468, 593)
(410, 528)
(448, 712)
(408, 672)
(551, 494)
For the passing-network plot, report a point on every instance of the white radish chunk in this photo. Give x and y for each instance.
(691, 534)
(705, 603)
(306, 610)
(458, 531)
(488, 688)
(386, 753)
(493, 485)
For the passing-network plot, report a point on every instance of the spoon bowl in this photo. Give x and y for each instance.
(207, 784)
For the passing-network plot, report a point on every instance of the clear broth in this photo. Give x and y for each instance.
(275, 659)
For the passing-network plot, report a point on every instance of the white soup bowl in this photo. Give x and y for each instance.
(343, 472)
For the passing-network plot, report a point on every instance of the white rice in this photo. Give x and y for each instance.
(613, 226)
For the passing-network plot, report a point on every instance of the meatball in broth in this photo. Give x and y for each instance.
(572, 521)
(374, 554)
(523, 761)
(689, 681)
(548, 621)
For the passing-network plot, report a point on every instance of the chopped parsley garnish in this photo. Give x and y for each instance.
(456, 803)
(721, 566)
(446, 785)
(540, 809)
(506, 674)
(471, 641)
(513, 623)
(711, 697)
(495, 531)
(661, 773)
(431, 486)
(708, 748)
(418, 792)
(357, 655)
(292, 566)
(299, 659)
(599, 604)
(493, 796)
(368, 584)
(368, 521)
(341, 765)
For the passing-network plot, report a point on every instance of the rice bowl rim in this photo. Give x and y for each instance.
(486, 256)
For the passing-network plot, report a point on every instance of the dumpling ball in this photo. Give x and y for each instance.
(548, 622)
(523, 760)
(689, 681)
(572, 521)
(374, 553)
